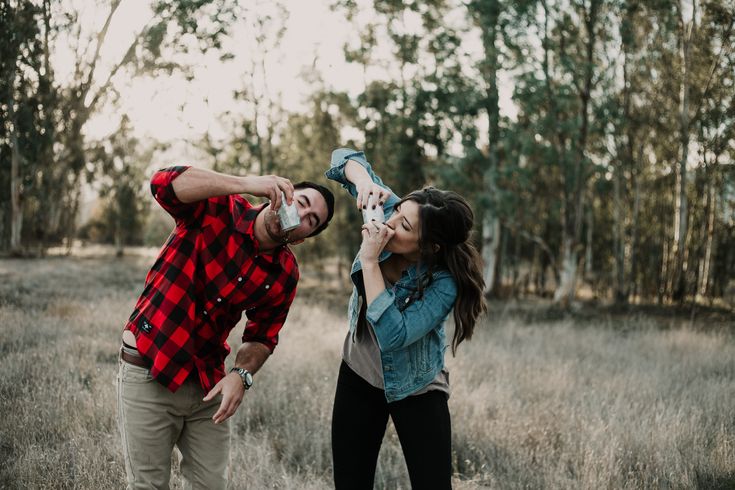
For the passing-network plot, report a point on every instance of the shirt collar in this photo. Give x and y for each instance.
(245, 215)
(415, 271)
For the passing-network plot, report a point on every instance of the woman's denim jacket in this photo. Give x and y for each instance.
(410, 331)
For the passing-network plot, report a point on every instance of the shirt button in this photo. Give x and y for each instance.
(239, 279)
(219, 300)
(267, 286)
(205, 313)
(407, 300)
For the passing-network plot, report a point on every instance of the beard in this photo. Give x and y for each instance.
(273, 227)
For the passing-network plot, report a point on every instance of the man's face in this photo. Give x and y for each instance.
(313, 212)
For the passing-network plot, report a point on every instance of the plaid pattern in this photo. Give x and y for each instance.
(208, 272)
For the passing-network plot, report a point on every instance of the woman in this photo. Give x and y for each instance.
(409, 274)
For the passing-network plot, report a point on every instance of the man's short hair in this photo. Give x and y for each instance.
(328, 197)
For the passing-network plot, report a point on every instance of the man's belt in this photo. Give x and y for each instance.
(135, 360)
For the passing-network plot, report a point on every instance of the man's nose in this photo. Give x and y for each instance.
(303, 211)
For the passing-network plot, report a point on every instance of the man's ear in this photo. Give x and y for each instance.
(296, 242)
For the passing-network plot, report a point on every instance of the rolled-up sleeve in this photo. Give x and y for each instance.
(163, 192)
(395, 328)
(336, 172)
(264, 323)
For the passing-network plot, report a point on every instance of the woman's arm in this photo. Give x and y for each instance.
(356, 173)
(372, 277)
(338, 171)
(396, 328)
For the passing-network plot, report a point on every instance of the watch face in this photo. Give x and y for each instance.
(248, 378)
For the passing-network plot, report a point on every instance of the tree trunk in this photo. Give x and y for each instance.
(16, 205)
(588, 265)
(567, 280)
(577, 182)
(119, 245)
(536, 272)
(665, 260)
(633, 278)
(16, 208)
(677, 282)
(704, 271)
(487, 15)
(490, 252)
(620, 294)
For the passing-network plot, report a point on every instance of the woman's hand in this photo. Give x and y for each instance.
(374, 237)
(367, 189)
(364, 185)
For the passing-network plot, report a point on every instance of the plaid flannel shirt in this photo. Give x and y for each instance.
(208, 272)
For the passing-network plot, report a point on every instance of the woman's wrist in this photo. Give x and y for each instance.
(369, 262)
(356, 173)
(373, 280)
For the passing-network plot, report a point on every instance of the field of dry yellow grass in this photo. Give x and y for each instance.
(609, 402)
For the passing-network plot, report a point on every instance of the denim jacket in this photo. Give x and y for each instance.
(410, 331)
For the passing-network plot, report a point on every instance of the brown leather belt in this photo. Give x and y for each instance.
(139, 361)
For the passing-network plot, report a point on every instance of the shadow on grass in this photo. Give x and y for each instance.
(725, 481)
(533, 311)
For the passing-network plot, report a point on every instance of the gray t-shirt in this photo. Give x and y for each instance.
(362, 355)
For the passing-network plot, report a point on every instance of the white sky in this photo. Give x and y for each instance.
(171, 109)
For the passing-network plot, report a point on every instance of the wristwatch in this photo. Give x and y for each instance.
(247, 378)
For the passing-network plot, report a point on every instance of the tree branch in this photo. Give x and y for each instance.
(544, 246)
(106, 85)
(87, 84)
(715, 65)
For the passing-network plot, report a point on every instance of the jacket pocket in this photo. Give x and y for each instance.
(419, 357)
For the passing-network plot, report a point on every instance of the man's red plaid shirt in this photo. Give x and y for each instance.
(208, 272)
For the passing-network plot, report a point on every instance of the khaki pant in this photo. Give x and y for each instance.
(152, 420)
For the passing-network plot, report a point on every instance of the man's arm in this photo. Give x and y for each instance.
(197, 184)
(250, 356)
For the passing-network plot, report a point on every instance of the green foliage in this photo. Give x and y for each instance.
(304, 154)
(124, 199)
(588, 155)
(606, 102)
(43, 118)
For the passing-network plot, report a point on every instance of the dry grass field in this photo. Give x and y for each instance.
(611, 402)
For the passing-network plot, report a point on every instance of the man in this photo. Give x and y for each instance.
(224, 256)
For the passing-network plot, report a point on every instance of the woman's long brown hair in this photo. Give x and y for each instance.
(446, 221)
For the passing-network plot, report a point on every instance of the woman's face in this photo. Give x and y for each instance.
(405, 223)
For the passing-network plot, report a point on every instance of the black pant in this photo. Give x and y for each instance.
(359, 420)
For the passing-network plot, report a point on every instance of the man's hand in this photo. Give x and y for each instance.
(269, 186)
(232, 392)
